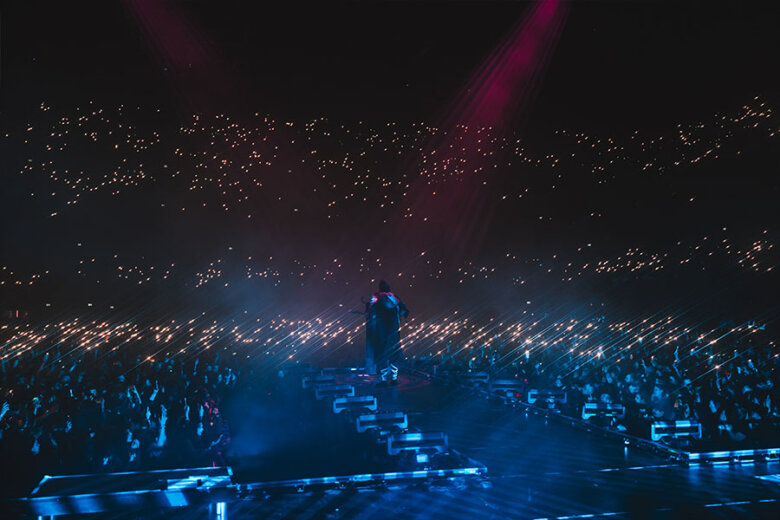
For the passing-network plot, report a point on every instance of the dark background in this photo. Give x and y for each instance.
(619, 67)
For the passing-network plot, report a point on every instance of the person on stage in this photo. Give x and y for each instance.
(383, 318)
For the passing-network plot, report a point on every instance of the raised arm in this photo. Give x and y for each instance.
(404, 312)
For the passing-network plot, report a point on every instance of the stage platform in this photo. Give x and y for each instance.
(539, 467)
(312, 445)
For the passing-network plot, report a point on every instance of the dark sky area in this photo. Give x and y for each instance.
(618, 63)
(328, 215)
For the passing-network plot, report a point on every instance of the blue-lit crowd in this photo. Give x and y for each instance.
(112, 409)
(730, 388)
(118, 406)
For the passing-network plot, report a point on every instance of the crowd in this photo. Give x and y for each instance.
(67, 411)
(237, 155)
(81, 397)
(727, 384)
(220, 167)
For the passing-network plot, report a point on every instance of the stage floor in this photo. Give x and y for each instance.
(287, 435)
(536, 469)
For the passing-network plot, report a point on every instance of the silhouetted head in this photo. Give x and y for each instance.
(384, 286)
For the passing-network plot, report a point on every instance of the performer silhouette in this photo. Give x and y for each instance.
(383, 318)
